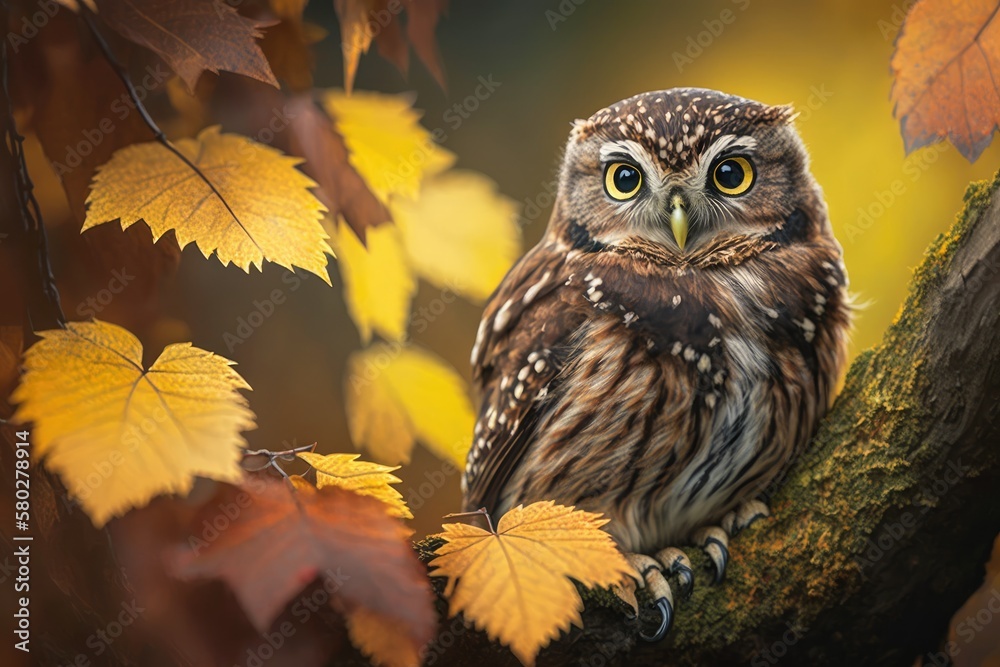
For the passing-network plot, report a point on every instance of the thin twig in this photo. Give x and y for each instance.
(119, 69)
(479, 512)
(31, 214)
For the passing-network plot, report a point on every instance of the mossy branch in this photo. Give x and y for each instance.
(883, 527)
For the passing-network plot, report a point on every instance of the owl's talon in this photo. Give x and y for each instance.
(666, 620)
(651, 578)
(719, 554)
(677, 564)
(715, 543)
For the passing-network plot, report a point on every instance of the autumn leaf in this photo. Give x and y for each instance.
(398, 394)
(192, 36)
(460, 233)
(364, 477)
(393, 43)
(515, 583)
(378, 283)
(265, 210)
(370, 632)
(385, 142)
(282, 541)
(355, 37)
(422, 18)
(119, 434)
(944, 64)
(342, 189)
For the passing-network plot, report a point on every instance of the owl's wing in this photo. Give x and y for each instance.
(520, 348)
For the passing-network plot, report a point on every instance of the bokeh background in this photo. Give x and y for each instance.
(556, 60)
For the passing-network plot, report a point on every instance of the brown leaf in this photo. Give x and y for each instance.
(288, 49)
(281, 541)
(202, 623)
(81, 114)
(192, 36)
(421, 20)
(363, 20)
(944, 64)
(355, 37)
(342, 190)
(390, 40)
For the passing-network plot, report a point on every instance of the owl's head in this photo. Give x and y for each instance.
(682, 167)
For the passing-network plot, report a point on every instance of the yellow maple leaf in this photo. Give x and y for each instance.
(386, 144)
(369, 632)
(461, 233)
(396, 394)
(266, 210)
(514, 583)
(378, 282)
(119, 434)
(364, 477)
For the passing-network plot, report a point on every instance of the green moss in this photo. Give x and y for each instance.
(867, 458)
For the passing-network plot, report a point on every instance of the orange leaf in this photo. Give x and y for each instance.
(192, 36)
(944, 65)
(281, 541)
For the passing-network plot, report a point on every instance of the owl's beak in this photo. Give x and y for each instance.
(679, 221)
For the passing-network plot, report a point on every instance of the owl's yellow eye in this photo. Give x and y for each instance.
(733, 176)
(622, 181)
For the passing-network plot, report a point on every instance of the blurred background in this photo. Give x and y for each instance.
(551, 61)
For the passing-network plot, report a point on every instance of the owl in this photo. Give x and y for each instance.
(666, 350)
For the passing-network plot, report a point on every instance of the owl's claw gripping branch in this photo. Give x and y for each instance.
(650, 577)
(715, 543)
(677, 563)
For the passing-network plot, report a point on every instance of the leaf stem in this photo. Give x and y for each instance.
(116, 65)
(479, 512)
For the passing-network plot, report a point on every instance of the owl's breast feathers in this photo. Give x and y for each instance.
(623, 379)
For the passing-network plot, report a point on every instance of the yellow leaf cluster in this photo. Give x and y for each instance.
(461, 233)
(378, 285)
(364, 477)
(371, 633)
(452, 228)
(397, 394)
(119, 434)
(387, 145)
(261, 207)
(514, 583)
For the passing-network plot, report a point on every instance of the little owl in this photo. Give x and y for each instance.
(667, 349)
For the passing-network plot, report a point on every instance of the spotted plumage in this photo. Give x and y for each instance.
(667, 349)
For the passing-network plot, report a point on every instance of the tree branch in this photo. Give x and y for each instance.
(882, 528)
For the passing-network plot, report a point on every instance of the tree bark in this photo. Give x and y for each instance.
(880, 531)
